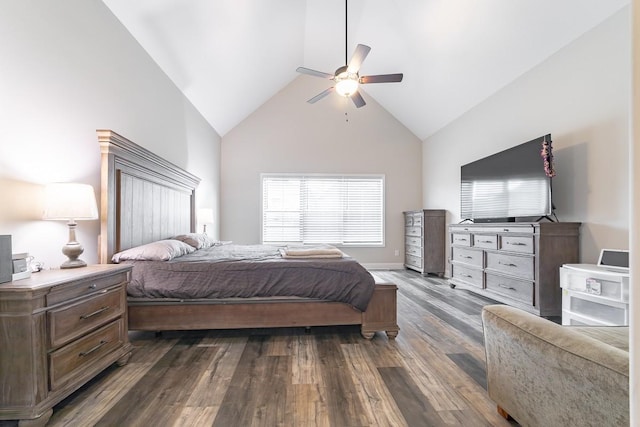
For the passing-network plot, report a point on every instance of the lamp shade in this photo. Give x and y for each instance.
(70, 201)
(205, 216)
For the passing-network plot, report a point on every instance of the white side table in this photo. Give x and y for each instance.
(593, 295)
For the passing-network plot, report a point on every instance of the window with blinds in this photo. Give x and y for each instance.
(310, 209)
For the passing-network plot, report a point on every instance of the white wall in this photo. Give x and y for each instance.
(634, 156)
(289, 135)
(581, 96)
(68, 68)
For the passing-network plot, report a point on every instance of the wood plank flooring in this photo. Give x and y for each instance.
(433, 374)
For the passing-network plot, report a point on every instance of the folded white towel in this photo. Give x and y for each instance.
(325, 251)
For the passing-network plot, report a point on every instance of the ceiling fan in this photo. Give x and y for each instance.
(347, 78)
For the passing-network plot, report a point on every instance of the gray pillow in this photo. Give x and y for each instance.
(162, 250)
(197, 240)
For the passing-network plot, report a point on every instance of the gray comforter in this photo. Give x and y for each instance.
(248, 271)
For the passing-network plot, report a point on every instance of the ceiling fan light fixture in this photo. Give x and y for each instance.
(346, 87)
(347, 78)
(346, 82)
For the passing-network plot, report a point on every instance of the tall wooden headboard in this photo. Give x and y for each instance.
(143, 197)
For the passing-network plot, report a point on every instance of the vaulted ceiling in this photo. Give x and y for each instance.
(230, 56)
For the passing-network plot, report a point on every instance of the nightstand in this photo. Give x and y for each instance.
(58, 329)
(593, 295)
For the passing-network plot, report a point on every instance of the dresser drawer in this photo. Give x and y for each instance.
(413, 231)
(417, 220)
(83, 287)
(70, 360)
(413, 250)
(470, 276)
(74, 320)
(413, 241)
(413, 261)
(467, 256)
(520, 266)
(515, 289)
(521, 244)
(485, 241)
(461, 239)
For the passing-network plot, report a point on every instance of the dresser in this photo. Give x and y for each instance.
(424, 240)
(58, 329)
(514, 263)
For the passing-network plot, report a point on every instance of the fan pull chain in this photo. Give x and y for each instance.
(346, 109)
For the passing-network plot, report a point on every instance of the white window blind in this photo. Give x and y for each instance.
(311, 209)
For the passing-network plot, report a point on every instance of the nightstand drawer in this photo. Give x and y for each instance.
(70, 360)
(80, 288)
(72, 321)
(520, 266)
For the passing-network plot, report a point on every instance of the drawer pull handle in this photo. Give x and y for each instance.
(92, 286)
(467, 275)
(461, 240)
(467, 257)
(95, 313)
(516, 244)
(508, 264)
(507, 287)
(486, 241)
(96, 348)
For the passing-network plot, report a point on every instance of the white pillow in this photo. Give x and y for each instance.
(197, 240)
(162, 250)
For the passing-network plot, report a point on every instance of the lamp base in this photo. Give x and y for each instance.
(72, 249)
(73, 263)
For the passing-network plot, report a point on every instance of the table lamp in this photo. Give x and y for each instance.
(70, 202)
(205, 216)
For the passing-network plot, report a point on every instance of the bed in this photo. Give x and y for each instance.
(145, 198)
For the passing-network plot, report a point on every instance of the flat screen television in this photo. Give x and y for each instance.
(509, 185)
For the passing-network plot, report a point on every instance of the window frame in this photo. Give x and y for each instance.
(380, 177)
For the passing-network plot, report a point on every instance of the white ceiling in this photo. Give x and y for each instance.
(230, 56)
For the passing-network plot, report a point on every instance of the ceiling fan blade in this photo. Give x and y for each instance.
(358, 99)
(382, 78)
(358, 57)
(321, 95)
(314, 73)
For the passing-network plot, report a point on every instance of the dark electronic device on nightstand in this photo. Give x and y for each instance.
(6, 261)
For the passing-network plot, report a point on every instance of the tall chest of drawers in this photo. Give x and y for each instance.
(514, 263)
(58, 329)
(424, 239)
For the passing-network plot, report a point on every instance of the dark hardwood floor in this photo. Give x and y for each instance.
(433, 374)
